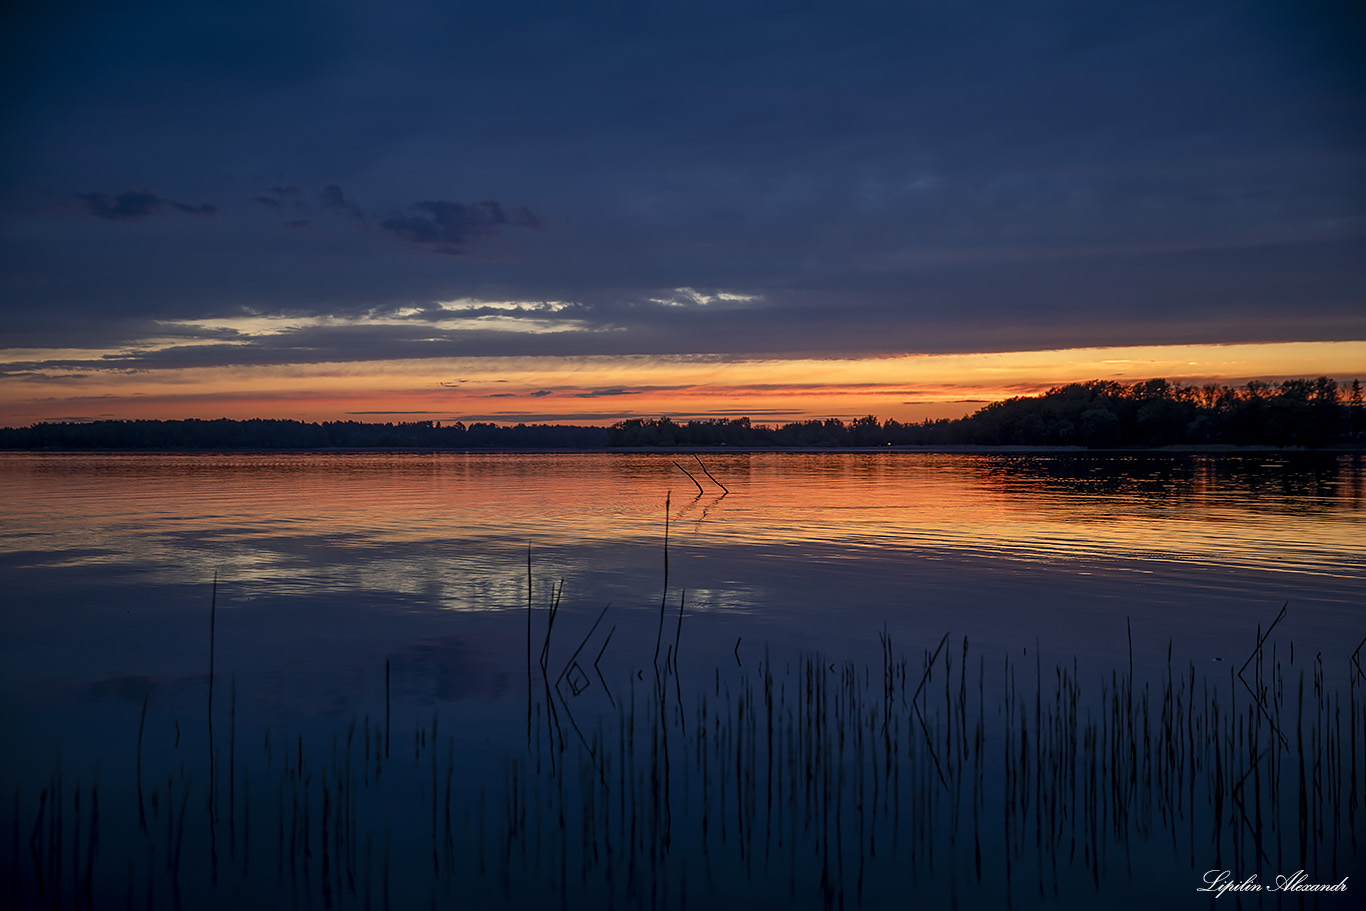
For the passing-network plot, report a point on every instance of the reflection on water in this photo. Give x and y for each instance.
(808, 546)
(269, 518)
(1066, 717)
(948, 777)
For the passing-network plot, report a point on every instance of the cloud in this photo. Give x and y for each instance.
(135, 205)
(945, 401)
(332, 197)
(738, 413)
(203, 209)
(541, 393)
(277, 198)
(691, 297)
(528, 417)
(130, 206)
(599, 393)
(449, 227)
(886, 178)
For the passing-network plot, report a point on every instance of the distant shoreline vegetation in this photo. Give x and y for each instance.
(1099, 414)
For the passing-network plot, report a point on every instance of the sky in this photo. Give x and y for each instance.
(563, 211)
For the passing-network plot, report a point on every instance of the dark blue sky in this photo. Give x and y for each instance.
(830, 178)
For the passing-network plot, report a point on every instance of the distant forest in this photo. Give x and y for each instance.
(1100, 414)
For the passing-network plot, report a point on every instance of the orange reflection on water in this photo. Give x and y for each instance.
(283, 510)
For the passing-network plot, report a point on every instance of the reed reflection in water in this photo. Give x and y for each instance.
(945, 775)
(1027, 728)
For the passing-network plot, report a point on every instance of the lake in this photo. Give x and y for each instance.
(848, 678)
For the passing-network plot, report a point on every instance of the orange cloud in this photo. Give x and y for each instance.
(604, 389)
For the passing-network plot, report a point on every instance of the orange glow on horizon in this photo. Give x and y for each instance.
(603, 390)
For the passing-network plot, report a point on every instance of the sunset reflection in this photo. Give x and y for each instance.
(405, 522)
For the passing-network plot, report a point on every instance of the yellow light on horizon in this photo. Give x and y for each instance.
(905, 387)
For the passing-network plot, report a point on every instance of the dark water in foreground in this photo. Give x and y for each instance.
(897, 679)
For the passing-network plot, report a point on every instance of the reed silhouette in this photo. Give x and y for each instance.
(948, 774)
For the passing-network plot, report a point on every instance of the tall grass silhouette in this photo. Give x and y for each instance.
(944, 773)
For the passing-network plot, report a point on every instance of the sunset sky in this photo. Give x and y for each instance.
(583, 212)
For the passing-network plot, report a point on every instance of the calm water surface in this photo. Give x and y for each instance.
(807, 546)
(355, 587)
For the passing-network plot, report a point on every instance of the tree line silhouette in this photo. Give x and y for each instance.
(1099, 414)
(258, 433)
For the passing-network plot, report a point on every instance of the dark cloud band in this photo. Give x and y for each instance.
(449, 227)
(135, 205)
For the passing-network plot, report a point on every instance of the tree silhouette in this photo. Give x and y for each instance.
(1099, 414)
